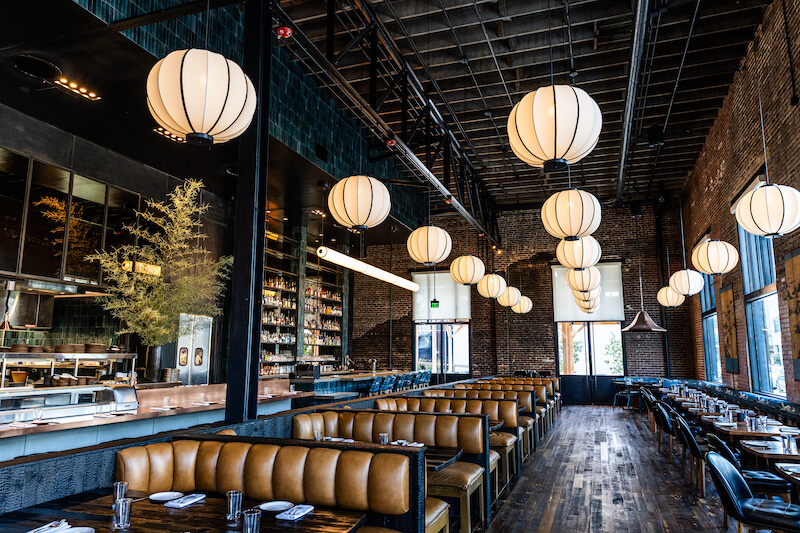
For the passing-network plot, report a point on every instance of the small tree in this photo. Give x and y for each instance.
(613, 355)
(168, 271)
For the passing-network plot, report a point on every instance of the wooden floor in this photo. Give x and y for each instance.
(598, 470)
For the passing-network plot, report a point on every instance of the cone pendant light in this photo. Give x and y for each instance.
(642, 321)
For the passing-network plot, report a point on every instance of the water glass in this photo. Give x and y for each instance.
(786, 441)
(112, 406)
(122, 513)
(202, 397)
(383, 438)
(291, 388)
(762, 421)
(166, 401)
(37, 414)
(317, 435)
(234, 509)
(251, 521)
(119, 491)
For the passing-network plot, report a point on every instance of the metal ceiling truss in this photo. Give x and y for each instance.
(430, 143)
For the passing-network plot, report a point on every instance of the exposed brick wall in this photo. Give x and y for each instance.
(731, 156)
(503, 341)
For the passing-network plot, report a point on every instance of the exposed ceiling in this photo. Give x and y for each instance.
(507, 46)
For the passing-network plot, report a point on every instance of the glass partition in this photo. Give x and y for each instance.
(13, 180)
(47, 214)
(87, 212)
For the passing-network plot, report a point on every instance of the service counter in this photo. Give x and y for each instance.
(343, 381)
(159, 409)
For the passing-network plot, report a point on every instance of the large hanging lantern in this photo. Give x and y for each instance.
(572, 213)
(587, 295)
(554, 126)
(584, 279)
(359, 202)
(510, 297)
(588, 304)
(201, 95)
(524, 305)
(769, 211)
(590, 310)
(686, 282)
(491, 286)
(583, 252)
(429, 245)
(467, 270)
(715, 257)
(669, 298)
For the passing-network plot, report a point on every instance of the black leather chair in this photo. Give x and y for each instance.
(648, 401)
(739, 503)
(759, 481)
(665, 425)
(697, 466)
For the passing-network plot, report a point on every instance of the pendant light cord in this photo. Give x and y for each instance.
(641, 293)
(208, 22)
(669, 273)
(550, 41)
(763, 136)
(683, 241)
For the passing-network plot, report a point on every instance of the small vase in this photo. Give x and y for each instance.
(153, 362)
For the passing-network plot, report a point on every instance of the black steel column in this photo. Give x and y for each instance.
(244, 339)
(659, 223)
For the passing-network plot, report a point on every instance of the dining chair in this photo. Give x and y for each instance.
(375, 387)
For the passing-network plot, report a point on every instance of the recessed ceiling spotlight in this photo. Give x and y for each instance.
(169, 135)
(36, 67)
(74, 88)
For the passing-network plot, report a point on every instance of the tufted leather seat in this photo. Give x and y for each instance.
(739, 503)
(351, 479)
(459, 475)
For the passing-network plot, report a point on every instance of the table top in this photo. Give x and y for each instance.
(742, 430)
(438, 457)
(769, 449)
(789, 471)
(93, 509)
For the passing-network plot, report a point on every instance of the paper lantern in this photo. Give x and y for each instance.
(491, 286)
(571, 213)
(588, 304)
(669, 298)
(686, 282)
(429, 245)
(467, 270)
(590, 310)
(585, 279)
(510, 297)
(583, 252)
(201, 95)
(359, 202)
(524, 305)
(554, 126)
(587, 295)
(769, 211)
(715, 257)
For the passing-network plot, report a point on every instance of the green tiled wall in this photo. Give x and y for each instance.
(75, 321)
(301, 115)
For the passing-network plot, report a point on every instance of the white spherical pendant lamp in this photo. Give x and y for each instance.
(588, 304)
(429, 245)
(524, 305)
(669, 298)
(491, 286)
(359, 202)
(715, 257)
(590, 310)
(587, 295)
(583, 252)
(200, 95)
(769, 211)
(571, 213)
(554, 126)
(467, 270)
(583, 280)
(510, 297)
(686, 282)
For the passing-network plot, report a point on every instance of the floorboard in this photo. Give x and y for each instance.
(598, 470)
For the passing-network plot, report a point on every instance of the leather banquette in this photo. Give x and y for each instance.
(347, 479)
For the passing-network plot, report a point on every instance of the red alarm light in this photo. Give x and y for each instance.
(284, 32)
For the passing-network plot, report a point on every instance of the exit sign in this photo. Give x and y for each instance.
(434, 304)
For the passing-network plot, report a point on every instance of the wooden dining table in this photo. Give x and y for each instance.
(93, 509)
(439, 457)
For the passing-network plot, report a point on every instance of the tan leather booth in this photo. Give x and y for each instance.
(387, 486)
(468, 432)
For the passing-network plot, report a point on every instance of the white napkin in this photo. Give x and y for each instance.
(53, 527)
(161, 408)
(295, 513)
(416, 444)
(21, 425)
(186, 501)
(756, 444)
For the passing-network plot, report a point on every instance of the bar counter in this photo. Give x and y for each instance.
(88, 430)
(342, 381)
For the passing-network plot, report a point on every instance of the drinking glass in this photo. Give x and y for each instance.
(762, 421)
(166, 401)
(786, 441)
(112, 407)
(251, 521)
(202, 397)
(291, 388)
(120, 491)
(317, 435)
(37, 414)
(234, 509)
(122, 513)
(383, 438)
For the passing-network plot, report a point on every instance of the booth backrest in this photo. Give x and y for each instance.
(525, 398)
(434, 430)
(492, 387)
(351, 479)
(505, 410)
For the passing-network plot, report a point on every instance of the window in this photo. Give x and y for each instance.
(711, 348)
(442, 347)
(762, 315)
(586, 348)
(708, 296)
(13, 180)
